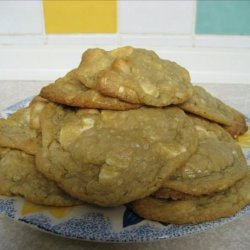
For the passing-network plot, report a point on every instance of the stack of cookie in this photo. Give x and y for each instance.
(127, 127)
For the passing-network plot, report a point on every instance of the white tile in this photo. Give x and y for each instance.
(156, 40)
(173, 17)
(222, 41)
(85, 39)
(21, 17)
(22, 39)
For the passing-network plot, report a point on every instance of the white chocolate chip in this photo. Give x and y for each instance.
(173, 150)
(88, 123)
(179, 95)
(121, 89)
(234, 152)
(203, 101)
(107, 173)
(150, 89)
(203, 132)
(70, 132)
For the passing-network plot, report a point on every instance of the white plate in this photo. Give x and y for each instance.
(92, 223)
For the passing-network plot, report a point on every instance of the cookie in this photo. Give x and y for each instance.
(16, 133)
(70, 91)
(209, 107)
(196, 210)
(208, 129)
(216, 165)
(213, 168)
(110, 158)
(21, 130)
(18, 176)
(135, 75)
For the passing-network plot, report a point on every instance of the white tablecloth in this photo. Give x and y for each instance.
(234, 235)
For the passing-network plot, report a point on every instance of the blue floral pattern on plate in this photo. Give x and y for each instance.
(92, 223)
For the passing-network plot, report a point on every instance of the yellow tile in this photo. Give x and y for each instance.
(85, 16)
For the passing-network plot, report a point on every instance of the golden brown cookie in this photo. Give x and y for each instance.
(21, 130)
(208, 129)
(16, 133)
(135, 75)
(196, 210)
(70, 91)
(113, 157)
(209, 107)
(213, 168)
(216, 165)
(18, 176)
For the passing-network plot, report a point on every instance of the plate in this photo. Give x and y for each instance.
(92, 223)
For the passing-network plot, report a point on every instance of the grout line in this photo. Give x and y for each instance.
(118, 33)
(209, 36)
(43, 22)
(194, 22)
(157, 34)
(21, 34)
(223, 36)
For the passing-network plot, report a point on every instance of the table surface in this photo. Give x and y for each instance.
(234, 235)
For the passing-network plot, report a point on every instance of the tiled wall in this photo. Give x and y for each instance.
(119, 22)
